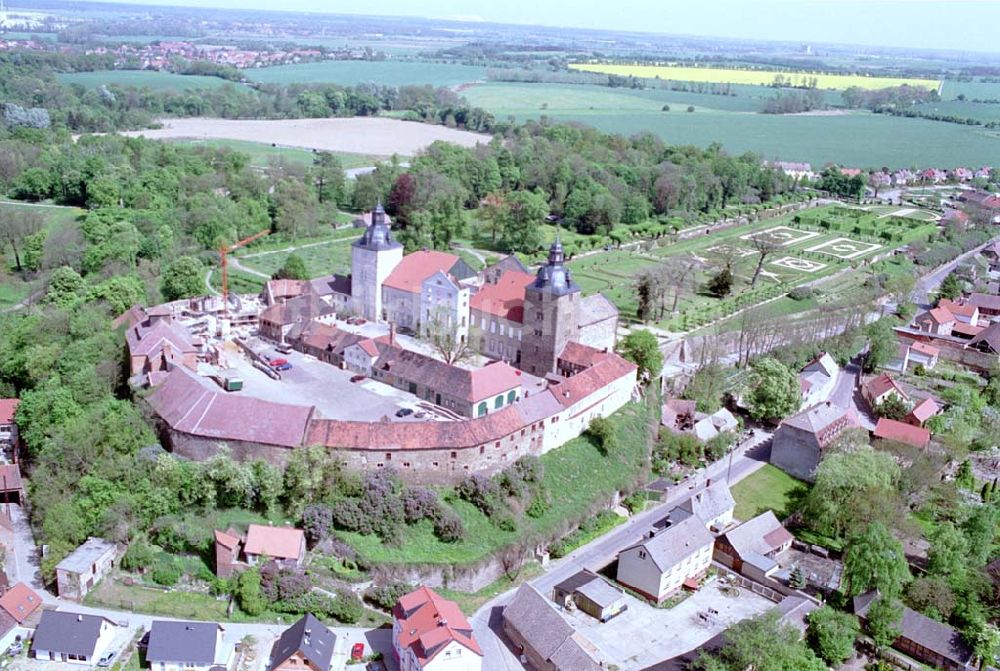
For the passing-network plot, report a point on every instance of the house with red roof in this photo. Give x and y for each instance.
(158, 343)
(939, 321)
(963, 311)
(914, 353)
(497, 313)
(900, 432)
(755, 547)
(922, 412)
(227, 552)
(282, 544)
(878, 389)
(431, 633)
(428, 287)
(8, 427)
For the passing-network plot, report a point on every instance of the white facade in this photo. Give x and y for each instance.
(369, 269)
(358, 360)
(101, 646)
(444, 305)
(454, 657)
(223, 657)
(572, 421)
(637, 570)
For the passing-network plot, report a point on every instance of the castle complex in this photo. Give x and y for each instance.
(550, 369)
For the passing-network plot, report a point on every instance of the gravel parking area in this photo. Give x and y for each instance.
(644, 635)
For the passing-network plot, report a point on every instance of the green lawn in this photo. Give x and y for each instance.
(155, 80)
(333, 256)
(261, 153)
(861, 139)
(578, 476)
(387, 73)
(471, 602)
(13, 288)
(768, 489)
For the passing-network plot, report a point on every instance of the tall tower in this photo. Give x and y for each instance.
(373, 256)
(550, 306)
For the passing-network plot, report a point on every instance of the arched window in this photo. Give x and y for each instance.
(511, 396)
(497, 404)
(482, 409)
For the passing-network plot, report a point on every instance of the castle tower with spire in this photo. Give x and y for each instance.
(373, 256)
(550, 308)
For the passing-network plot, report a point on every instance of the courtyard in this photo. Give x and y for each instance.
(644, 635)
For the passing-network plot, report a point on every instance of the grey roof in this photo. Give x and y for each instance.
(990, 337)
(675, 543)
(600, 592)
(816, 418)
(711, 502)
(546, 632)
(331, 284)
(575, 581)
(180, 642)
(378, 236)
(66, 632)
(308, 636)
(510, 262)
(595, 308)
(987, 301)
(761, 535)
(81, 559)
(923, 631)
(794, 610)
(554, 277)
(461, 270)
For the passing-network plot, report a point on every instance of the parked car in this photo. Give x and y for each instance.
(357, 652)
(357, 378)
(360, 321)
(284, 348)
(106, 659)
(284, 366)
(278, 362)
(16, 648)
(404, 412)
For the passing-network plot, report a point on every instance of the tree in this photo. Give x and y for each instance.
(641, 348)
(762, 644)
(66, 287)
(524, 213)
(831, 634)
(248, 592)
(874, 560)
(764, 245)
(951, 286)
(893, 407)
(882, 345)
(984, 639)
(182, 278)
(602, 430)
(883, 620)
(721, 283)
(947, 555)
(328, 177)
(774, 390)
(294, 268)
(16, 227)
(448, 342)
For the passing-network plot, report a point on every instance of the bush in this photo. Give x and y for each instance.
(166, 571)
(448, 527)
(419, 503)
(386, 596)
(800, 293)
(346, 608)
(317, 522)
(635, 502)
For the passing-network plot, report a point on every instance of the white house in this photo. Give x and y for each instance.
(444, 307)
(818, 379)
(73, 637)
(667, 559)
(714, 505)
(430, 633)
(186, 646)
(83, 568)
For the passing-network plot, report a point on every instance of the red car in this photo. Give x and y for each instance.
(358, 652)
(357, 378)
(278, 362)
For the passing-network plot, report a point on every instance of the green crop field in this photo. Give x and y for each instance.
(261, 153)
(977, 89)
(984, 112)
(858, 139)
(731, 75)
(389, 73)
(157, 81)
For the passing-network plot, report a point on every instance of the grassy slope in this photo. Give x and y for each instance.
(13, 289)
(860, 138)
(261, 153)
(767, 489)
(579, 479)
(158, 81)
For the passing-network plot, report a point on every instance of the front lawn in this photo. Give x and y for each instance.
(769, 488)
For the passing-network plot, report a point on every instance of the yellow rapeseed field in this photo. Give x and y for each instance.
(733, 76)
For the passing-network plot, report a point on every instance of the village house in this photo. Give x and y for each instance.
(426, 289)
(591, 594)
(83, 568)
(901, 432)
(284, 545)
(157, 342)
(497, 313)
(430, 633)
(818, 379)
(988, 304)
(680, 417)
(543, 638)
(916, 353)
(8, 427)
(988, 340)
(19, 613)
(924, 639)
(755, 547)
(227, 552)
(75, 638)
(939, 321)
(714, 505)
(963, 311)
(923, 411)
(800, 440)
(667, 559)
(277, 321)
(881, 388)
(11, 486)
(307, 645)
(179, 646)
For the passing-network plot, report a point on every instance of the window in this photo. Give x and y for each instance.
(511, 396)
(482, 409)
(642, 554)
(434, 464)
(454, 455)
(498, 403)
(388, 456)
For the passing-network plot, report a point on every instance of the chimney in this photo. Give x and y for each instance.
(392, 333)
(708, 483)
(79, 618)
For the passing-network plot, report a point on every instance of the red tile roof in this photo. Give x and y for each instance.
(144, 341)
(428, 623)
(8, 406)
(10, 478)
(925, 410)
(504, 299)
(956, 308)
(961, 328)
(586, 382)
(492, 379)
(890, 429)
(20, 602)
(275, 542)
(878, 386)
(940, 315)
(924, 348)
(227, 541)
(369, 346)
(416, 267)
(582, 355)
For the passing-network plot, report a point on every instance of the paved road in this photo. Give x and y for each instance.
(486, 623)
(928, 284)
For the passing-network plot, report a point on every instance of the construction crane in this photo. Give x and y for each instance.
(224, 253)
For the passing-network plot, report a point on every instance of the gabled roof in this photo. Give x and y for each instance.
(924, 348)
(182, 642)
(595, 308)
(510, 263)
(936, 315)
(428, 623)
(308, 636)
(958, 309)
(302, 309)
(881, 384)
(543, 629)
(416, 267)
(985, 301)
(927, 633)
(584, 383)
(66, 632)
(144, 341)
(989, 337)
(890, 429)
(672, 545)
(369, 347)
(20, 602)
(471, 385)
(925, 410)
(505, 299)
(8, 407)
(582, 355)
(819, 417)
(761, 535)
(10, 477)
(963, 329)
(275, 542)
(711, 502)
(227, 540)
(824, 364)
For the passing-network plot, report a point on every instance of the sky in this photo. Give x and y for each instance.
(966, 25)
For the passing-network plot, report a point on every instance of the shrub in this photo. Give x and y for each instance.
(317, 522)
(800, 293)
(448, 527)
(419, 503)
(166, 571)
(635, 502)
(346, 608)
(386, 596)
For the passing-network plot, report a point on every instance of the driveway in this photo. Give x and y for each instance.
(22, 555)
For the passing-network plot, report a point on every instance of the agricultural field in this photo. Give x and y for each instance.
(860, 139)
(977, 89)
(261, 154)
(388, 73)
(152, 79)
(735, 76)
(982, 112)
